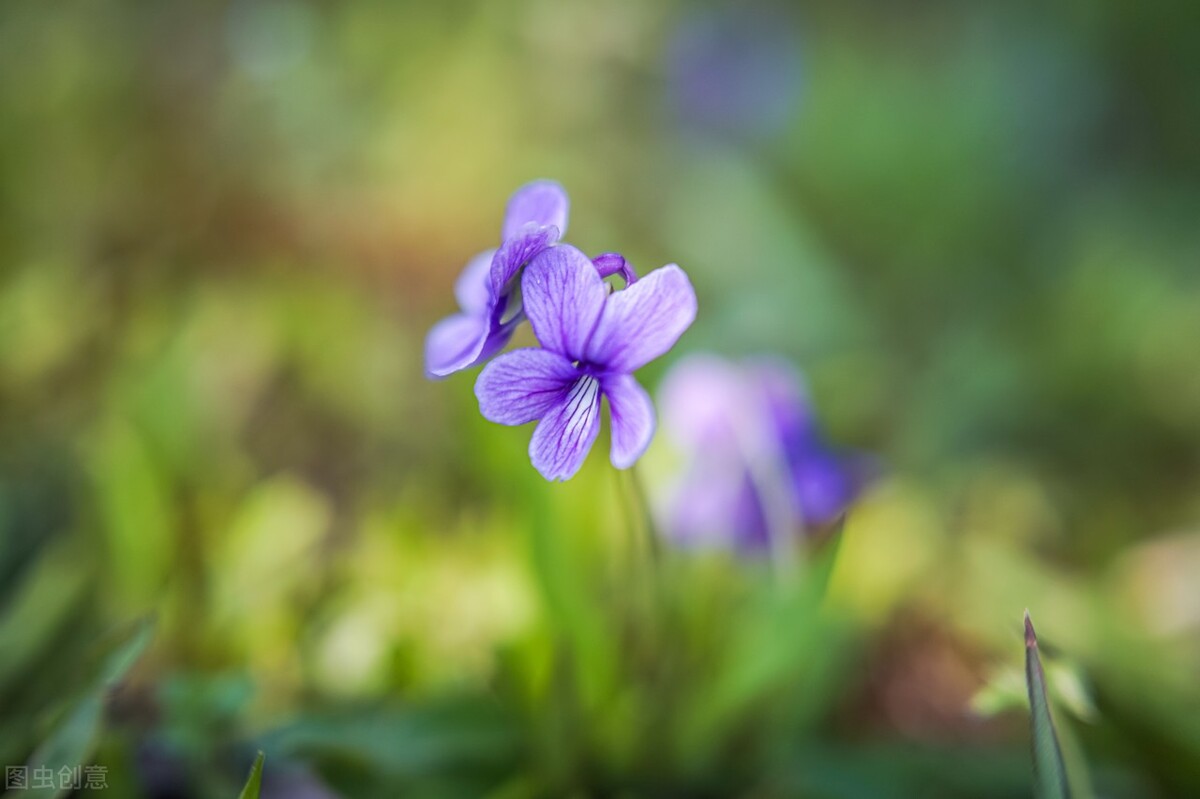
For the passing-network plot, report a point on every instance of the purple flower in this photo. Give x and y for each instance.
(757, 464)
(536, 218)
(592, 341)
(735, 72)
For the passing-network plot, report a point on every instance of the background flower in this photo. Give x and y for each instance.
(755, 462)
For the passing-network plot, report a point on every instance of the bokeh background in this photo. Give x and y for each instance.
(225, 229)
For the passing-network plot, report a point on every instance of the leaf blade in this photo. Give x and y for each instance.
(254, 781)
(73, 741)
(1049, 768)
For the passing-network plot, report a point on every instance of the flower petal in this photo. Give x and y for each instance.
(562, 439)
(498, 334)
(542, 202)
(563, 297)
(824, 487)
(517, 251)
(643, 321)
(454, 343)
(523, 385)
(787, 407)
(703, 399)
(472, 289)
(612, 263)
(715, 505)
(633, 420)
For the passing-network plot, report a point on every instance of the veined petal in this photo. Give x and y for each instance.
(563, 296)
(643, 321)
(472, 289)
(518, 250)
(454, 343)
(562, 440)
(523, 385)
(542, 202)
(633, 420)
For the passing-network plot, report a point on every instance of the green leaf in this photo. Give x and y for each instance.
(820, 569)
(254, 781)
(1050, 771)
(73, 741)
(40, 608)
(452, 735)
(121, 660)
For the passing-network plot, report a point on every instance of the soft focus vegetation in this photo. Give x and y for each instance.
(225, 229)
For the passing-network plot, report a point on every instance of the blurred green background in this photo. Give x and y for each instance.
(225, 229)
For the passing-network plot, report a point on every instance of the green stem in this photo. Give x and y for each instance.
(642, 504)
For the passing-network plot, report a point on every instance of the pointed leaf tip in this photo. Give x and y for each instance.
(1050, 772)
(254, 782)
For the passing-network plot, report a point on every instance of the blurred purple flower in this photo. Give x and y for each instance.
(592, 343)
(536, 218)
(735, 71)
(757, 464)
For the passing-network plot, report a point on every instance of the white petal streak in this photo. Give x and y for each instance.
(564, 437)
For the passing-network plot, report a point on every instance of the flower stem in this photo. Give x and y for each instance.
(642, 505)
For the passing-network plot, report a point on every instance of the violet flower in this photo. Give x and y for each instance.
(757, 463)
(735, 72)
(535, 219)
(592, 342)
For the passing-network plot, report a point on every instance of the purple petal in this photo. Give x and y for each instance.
(542, 202)
(643, 321)
(715, 505)
(472, 289)
(786, 402)
(702, 398)
(612, 263)
(563, 438)
(632, 419)
(523, 385)
(454, 343)
(517, 251)
(498, 334)
(824, 487)
(563, 297)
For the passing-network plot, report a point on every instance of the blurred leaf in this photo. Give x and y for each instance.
(73, 741)
(821, 566)
(1004, 690)
(866, 770)
(254, 782)
(464, 735)
(201, 710)
(569, 600)
(133, 496)
(783, 662)
(127, 654)
(1050, 771)
(42, 604)
(1070, 687)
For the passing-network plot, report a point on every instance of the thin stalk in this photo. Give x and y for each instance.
(649, 529)
(767, 467)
